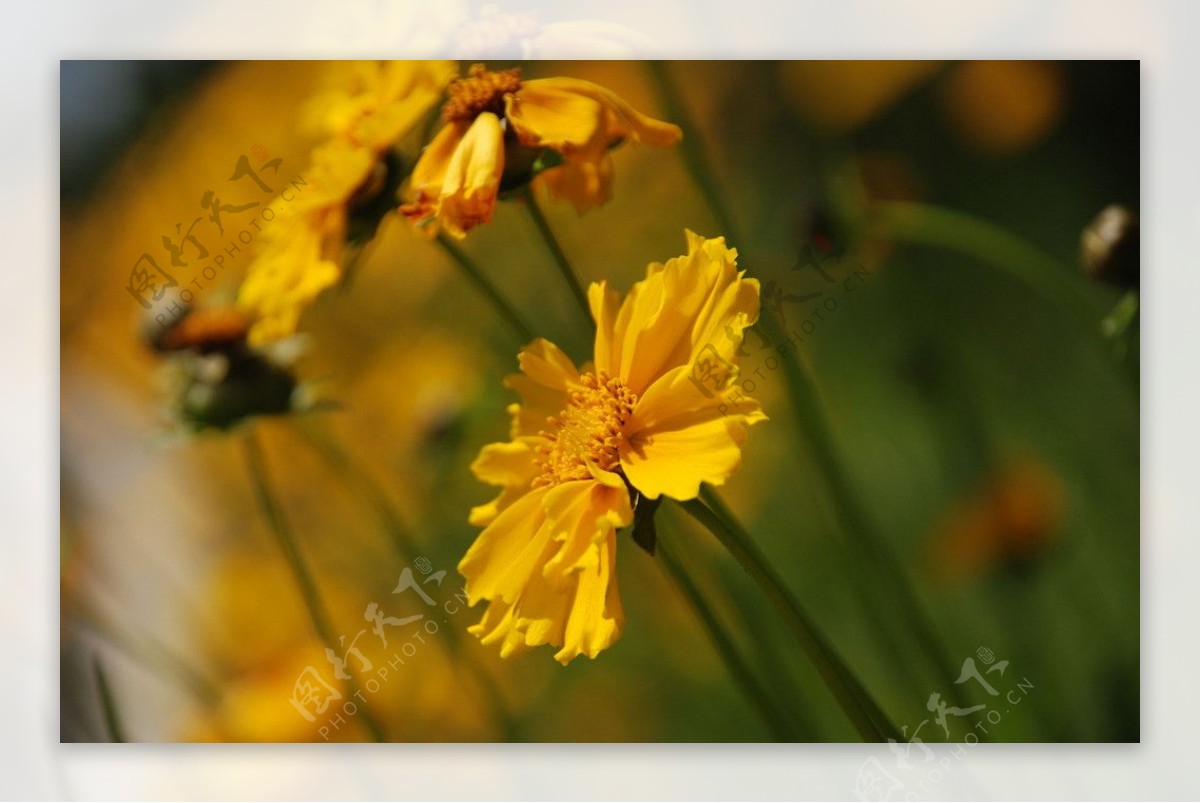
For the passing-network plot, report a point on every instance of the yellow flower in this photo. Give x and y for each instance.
(459, 174)
(300, 254)
(375, 103)
(647, 415)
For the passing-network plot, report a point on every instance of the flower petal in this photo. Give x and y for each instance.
(604, 304)
(597, 618)
(692, 303)
(472, 180)
(569, 114)
(510, 465)
(430, 172)
(573, 602)
(585, 184)
(546, 113)
(506, 553)
(676, 455)
(542, 385)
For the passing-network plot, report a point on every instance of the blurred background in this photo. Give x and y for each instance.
(987, 426)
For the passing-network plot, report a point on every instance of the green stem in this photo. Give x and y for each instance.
(560, 256)
(147, 651)
(810, 414)
(273, 513)
(486, 288)
(108, 705)
(347, 469)
(359, 480)
(855, 701)
(690, 148)
(924, 224)
(776, 723)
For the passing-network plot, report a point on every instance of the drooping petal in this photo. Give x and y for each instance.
(472, 180)
(569, 532)
(546, 113)
(597, 618)
(585, 184)
(506, 553)
(584, 514)
(572, 116)
(430, 172)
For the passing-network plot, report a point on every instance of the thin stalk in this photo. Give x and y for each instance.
(475, 275)
(343, 465)
(108, 705)
(147, 651)
(690, 148)
(855, 701)
(556, 251)
(776, 723)
(924, 224)
(359, 480)
(278, 524)
(809, 411)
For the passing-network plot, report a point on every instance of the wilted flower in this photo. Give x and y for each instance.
(498, 127)
(215, 379)
(648, 416)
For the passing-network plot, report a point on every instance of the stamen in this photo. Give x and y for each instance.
(481, 91)
(589, 430)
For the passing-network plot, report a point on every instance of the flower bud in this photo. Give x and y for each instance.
(1110, 248)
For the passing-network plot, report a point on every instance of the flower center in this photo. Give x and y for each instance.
(481, 91)
(588, 430)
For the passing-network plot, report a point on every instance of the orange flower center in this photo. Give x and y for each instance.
(589, 430)
(481, 91)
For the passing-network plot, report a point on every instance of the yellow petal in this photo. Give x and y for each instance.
(404, 92)
(676, 455)
(548, 566)
(585, 184)
(472, 180)
(560, 113)
(692, 303)
(542, 386)
(510, 465)
(547, 364)
(430, 172)
(604, 304)
(547, 114)
(583, 513)
(499, 625)
(286, 276)
(506, 553)
(597, 618)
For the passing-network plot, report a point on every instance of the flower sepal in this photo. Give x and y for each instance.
(644, 530)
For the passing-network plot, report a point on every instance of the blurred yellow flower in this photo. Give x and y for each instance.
(493, 115)
(300, 253)
(647, 416)
(376, 103)
(1004, 107)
